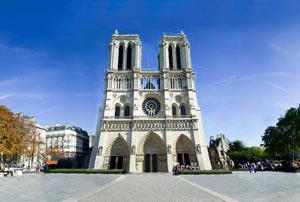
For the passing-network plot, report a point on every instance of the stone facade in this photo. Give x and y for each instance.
(38, 143)
(71, 142)
(149, 120)
(218, 152)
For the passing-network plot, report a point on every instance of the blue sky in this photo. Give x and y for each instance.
(246, 54)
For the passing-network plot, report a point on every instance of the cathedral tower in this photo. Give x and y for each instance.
(149, 120)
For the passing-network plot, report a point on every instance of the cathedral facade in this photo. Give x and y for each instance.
(149, 120)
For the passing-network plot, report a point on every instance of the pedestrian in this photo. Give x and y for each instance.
(249, 167)
(45, 168)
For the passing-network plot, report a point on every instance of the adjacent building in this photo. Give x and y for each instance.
(149, 119)
(69, 143)
(35, 140)
(218, 151)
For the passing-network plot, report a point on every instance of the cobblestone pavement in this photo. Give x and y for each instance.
(240, 186)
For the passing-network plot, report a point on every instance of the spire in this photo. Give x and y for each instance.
(116, 32)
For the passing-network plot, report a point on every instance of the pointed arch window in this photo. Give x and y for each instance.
(129, 55)
(170, 58)
(117, 111)
(178, 59)
(127, 111)
(174, 111)
(182, 110)
(120, 59)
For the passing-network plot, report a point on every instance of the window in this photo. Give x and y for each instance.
(170, 58)
(120, 59)
(117, 111)
(174, 111)
(182, 110)
(178, 60)
(129, 58)
(127, 111)
(151, 106)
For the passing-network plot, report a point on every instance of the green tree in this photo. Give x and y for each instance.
(241, 154)
(236, 145)
(284, 138)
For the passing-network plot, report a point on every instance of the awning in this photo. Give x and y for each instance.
(51, 162)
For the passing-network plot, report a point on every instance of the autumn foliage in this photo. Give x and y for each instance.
(12, 132)
(17, 137)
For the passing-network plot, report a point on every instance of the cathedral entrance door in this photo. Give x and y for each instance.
(151, 163)
(147, 163)
(154, 163)
(185, 151)
(187, 159)
(180, 159)
(120, 162)
(113, 162)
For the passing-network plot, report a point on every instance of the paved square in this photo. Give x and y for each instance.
(240, 186)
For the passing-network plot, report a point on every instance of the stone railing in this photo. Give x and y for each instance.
(175, 124)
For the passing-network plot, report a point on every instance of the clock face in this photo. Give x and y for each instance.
(151, 106)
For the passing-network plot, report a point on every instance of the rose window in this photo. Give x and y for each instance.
(151, 106)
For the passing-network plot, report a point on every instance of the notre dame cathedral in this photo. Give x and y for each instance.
(149, 120)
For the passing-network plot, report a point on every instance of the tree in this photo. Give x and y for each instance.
(284, 138)
(32, 141)
(236, 145)
(241, 154)
(12, 131)
(55, 151)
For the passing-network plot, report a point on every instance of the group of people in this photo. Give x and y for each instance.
(177, 168)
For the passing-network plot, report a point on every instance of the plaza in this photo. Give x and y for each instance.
(240, 186)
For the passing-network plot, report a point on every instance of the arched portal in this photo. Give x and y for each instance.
(152, 154)
(185, 151)
(119, 154)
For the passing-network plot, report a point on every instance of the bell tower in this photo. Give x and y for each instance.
(125, 52)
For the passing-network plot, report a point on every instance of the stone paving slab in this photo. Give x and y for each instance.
(240, 186)
(259, 187)
(151, 188)
(33, 187)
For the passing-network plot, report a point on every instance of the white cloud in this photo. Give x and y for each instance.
(277, 86)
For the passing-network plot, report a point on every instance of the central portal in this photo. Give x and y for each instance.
(155, 154)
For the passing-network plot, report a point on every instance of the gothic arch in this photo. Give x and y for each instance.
(117, 110)
(121, 56)
(152, 154)
(170, 52)
(127, 110)
(117, 154)
(185, 151)
(183, 109)
(175, 110)
(129, 57)
(178, 58)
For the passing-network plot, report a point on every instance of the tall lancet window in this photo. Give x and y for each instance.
(174, 111)
(129, 57)
(178, 57)
(182, 110)
(117, 111)
(127, 111)
(120, 59)
(170, 58)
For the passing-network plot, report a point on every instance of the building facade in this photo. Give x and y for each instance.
(66, 141)
(218, 152)
(35, 153)
(149, 120)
